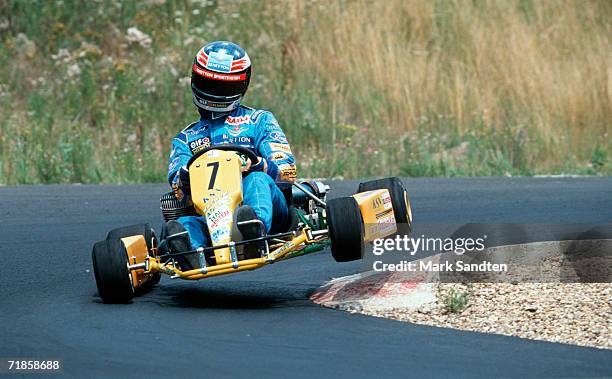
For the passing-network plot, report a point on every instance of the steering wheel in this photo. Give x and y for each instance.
(227, 147)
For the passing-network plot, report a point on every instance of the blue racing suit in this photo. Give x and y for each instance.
(244, 126)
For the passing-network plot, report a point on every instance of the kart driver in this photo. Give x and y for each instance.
(220, 77)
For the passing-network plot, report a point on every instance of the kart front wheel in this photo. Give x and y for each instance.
(134, 230)
(113, 277)
(346, 230)
(148, 233)
(399, 199)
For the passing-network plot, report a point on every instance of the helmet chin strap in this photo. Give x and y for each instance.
(210, 115)
(213, 115)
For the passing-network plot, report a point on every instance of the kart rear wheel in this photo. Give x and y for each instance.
(399, 199)
(346, 230)
(113, 277)
(151, 239)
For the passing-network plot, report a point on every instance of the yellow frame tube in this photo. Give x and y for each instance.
(228, 268)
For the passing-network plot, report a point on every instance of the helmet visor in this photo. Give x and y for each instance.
(219, 84)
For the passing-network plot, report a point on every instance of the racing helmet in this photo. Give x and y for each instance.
(220, 76)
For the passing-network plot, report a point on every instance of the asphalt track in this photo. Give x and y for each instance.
(258, 324)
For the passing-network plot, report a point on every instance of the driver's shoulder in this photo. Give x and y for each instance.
(183, 135)
(254, 115)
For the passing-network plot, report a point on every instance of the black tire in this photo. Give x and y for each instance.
(399, 198)
(346, 230)
(149, 235)
(133, 230)
(113, 278)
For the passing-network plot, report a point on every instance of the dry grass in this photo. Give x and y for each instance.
(545, 66)
(402, 87)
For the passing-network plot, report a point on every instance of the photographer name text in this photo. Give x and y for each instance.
(430, 266)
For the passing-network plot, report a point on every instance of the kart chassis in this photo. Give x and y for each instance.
(305, 239)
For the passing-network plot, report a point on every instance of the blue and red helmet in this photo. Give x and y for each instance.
(220, 76)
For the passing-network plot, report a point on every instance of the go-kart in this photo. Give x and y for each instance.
(130, 260)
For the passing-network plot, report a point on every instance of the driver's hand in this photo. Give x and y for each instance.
(246, 165)
(261, 165)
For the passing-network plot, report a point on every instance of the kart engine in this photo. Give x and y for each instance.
(172, 208)
(315, 187)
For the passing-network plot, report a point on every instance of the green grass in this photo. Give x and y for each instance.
(80, 102)
(456, 301)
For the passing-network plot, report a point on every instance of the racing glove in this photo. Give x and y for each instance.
(248, 166)
(261, 165)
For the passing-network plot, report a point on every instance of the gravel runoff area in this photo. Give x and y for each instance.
(574, 313)
(550, 310)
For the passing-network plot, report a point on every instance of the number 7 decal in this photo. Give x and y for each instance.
(213, 176)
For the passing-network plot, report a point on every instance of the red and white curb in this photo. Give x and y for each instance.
(378, 291)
